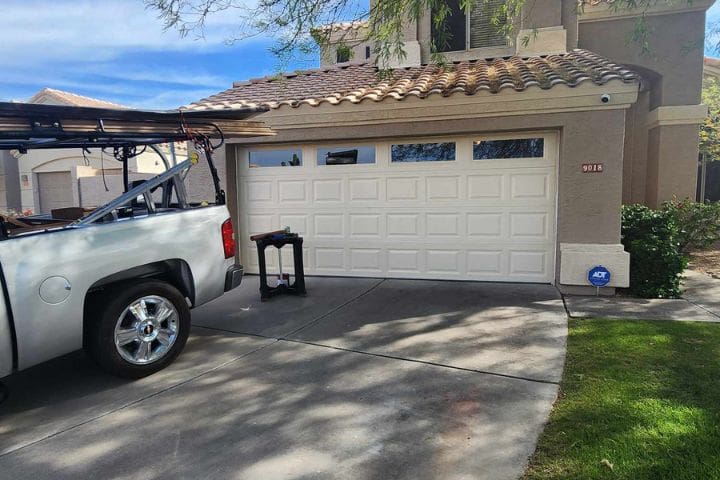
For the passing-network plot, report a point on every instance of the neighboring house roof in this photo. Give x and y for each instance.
(344, 26)
(593, 2)
(359, 82)
(51, 96)
(711, 66)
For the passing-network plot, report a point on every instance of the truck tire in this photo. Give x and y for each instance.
(138, 328)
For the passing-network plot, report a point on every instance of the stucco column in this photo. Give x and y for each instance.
(589, 203)
(673, 152)
(229, 158)
(9, 182)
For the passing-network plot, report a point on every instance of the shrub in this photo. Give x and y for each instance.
(656, 262)
(698, 223)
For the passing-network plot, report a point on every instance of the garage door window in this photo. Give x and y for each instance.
(275, 158)
(512, 148)
(345, 155)
(423, 152)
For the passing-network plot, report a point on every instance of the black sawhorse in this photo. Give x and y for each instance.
(278, 240)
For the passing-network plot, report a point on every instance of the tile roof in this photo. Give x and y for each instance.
(352, 82)
(711, 67)
(593, 2)
(711, 61)
(53, 96)
(344, 26)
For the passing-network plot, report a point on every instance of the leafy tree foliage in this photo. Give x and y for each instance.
(710, 129)
(698, 223)
(297, 25)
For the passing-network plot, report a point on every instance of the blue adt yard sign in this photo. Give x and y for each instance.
(599, 276)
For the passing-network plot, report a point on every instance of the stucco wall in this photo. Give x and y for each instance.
(92, 191)
(229, 153)
(569, 15)
(542, 13)
(672, 163)
(636, 151)
(680, 68)
(9, 182)
(199, 184)
(354, 39)
(660, 160)
(3, 187)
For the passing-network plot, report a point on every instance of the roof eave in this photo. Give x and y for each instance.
(584, 97)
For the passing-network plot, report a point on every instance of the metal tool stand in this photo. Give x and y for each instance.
(278, 241)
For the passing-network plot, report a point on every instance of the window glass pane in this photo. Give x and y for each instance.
(276, 158)
(343, 54)
(517, 148)
(450, 37)
(345, 155)
(423, 152)
(485, 31)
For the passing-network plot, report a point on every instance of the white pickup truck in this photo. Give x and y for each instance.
(120, 280)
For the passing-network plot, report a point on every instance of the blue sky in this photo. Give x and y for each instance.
(116, 50)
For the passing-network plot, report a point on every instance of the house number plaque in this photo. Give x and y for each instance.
(592, 167)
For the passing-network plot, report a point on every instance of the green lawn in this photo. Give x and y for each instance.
(645, 396)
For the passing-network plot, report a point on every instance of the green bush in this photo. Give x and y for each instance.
(656, 262)
(698, 223)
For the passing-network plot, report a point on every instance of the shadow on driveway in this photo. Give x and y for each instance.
(239, 406)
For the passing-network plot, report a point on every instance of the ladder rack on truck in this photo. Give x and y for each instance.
(119, 280)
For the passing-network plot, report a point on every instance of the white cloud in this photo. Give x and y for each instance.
(183, 75)
(170, 99)
(60, 31)
(117, 50)
(110, 49)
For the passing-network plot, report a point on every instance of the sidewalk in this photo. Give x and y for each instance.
(700, 303)
(702, 290)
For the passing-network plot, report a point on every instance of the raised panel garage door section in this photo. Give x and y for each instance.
(466, 208)
(55, 190)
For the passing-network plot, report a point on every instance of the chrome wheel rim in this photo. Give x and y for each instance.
(146, 330)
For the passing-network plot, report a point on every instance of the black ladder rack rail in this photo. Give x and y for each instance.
(26, 126)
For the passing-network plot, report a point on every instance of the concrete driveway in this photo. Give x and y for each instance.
(362, 379)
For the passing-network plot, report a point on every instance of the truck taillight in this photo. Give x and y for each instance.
(228, 238)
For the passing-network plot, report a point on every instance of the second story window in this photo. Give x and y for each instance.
(480, 26)
(343, 54)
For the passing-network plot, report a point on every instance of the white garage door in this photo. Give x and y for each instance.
(54, 190)
(479, 208)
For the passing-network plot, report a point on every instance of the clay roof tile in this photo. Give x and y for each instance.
(355, 82)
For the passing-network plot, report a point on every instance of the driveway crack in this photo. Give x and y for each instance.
(701, 307)
(330, 312)
(391, 357)
(424, 362)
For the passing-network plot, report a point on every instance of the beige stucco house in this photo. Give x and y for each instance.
(510, 164)
(41, 180)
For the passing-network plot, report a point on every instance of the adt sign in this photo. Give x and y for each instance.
(599, 276)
